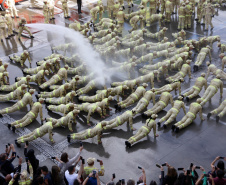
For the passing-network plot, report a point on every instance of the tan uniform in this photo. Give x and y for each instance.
(146, 78)
(212, 39)
(61, 74)
(144, 102)
(27, 99)
(30, 116)
(172, 113)
(133, 22)
(72, 85)
(143, 131)
(3, 79)
(211, 90)
(44, 66)
(65, 7)
(169, 87)
(46, 13)
(161, 104)
(131, 44)
(208, 12)
(186, 69)
(194, 109)
(153, 18)
(120, 17)
(101, 33)
(202, 55)
(61, 91)
(12, 8)
(51, 4)
(188, 14)
(10, 24)
(223, 62)
(15, 85)
(199, 84)
(169, 10)
(223, 48)
(152, 6)
(182, 14)
(63, 100)
(89, 133)
(221, 110)
(65, 121)
(129, 83)
(98, 97)
(181, 34)
(22, 27)
(65, 109)
(145, 58)
(90, 108)
(120, 120)
(110, 7)
(158, 35)
(15, 95)
(92, 84)
(77, 70)
(157, 65)
(3, 27)
(39, 78)
(117, 91)
(134, 97)
(38, 132)
(215, 71)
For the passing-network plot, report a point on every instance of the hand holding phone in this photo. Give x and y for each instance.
(197, 167)
(222, 157)
(113, 176)
(83, 161)
(164, 164)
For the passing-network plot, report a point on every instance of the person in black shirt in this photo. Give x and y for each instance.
(79, 2)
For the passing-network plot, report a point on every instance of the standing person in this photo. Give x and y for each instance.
(51, 5)
(3, 28)
(9, 23)
(12, 8)
(30, 154)
(65, 8)
(79, 2)
(22, 27)
(171, 176)
(46, 11)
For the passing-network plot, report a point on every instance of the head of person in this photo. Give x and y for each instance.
(220, 174)
(55, 174)
(219, 44)
(31, 91)
(130, 182)
(172, 172)
(28, 78)
(125, 87)
(23, 175)
(220, 165)
(207, 63)
(64, 157)
(8, 178)
(165, 29)
(26, 52)
(71, 106)
(155, 72)
(203, 75)
(222, 55)
(144, 30)
(23, 20)
(71, 169)
(180, 98)
(66, 67)
(45, 1)
(75, 111)
(145, 85)
(5, 65)
(153, 183)
(218, 76)
(66, 85)
(90, 161)
(44, 170)
(3, 157)
(155, 53)
(154, 116)
(199, 100)
(41, 100)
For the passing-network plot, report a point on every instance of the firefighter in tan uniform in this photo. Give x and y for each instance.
(3, 24)
(134, 20)
(90, 108)
(46, 11)
(66, 121)
(22, 27)
(195, 90)
(209, 11)
(10, 23)
(44, 66)
(120, 17)
(194, 109)
(94, 11)
(143, 131)
(51, 4)
(110, 7)
(22, 58)
(134, 97)
(15, 95)
(72, 84)
(223, 60)
(24, 80)
(158, 35)
(119, 90)
(62, 100)
(155, 17)
(176, 85)
(61, 108)
(222, 47)
(220, 111)
(129, 83)
(61, 74)
(182, 14)
(212, 89)
(169, 10)
(144, 101)
(3, 68)
(164, 100)
(65, 8)
(30, 116)
(92, 84)
(215, 71)
(88, 133)
(38, 132)
(4, 78)
(185, 69)
(27, 99)
(100, 95)
(188, 15)
(201, 57)
(173, 112)
(61, 91)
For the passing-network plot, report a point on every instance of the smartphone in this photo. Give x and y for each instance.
(206, 175)
(158, 165)
(6, 146)
(139, 167)
(98, 160)
(18, 156)
(191, 165)
(188, 172)
(180, 169)
(222, 157)
(83, 161)
(26, 158)
(53, 157)
(81, 157)
(94, 173)
(123, 181)
(27, 143)
(164, 164)
(9, 144)
(197, 167)
(81, 144)
(113, 175)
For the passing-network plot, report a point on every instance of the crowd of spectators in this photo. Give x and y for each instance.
(74, 171)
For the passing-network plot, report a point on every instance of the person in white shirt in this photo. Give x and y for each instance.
(71, 174)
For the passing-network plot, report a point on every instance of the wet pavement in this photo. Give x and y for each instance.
(199, 143)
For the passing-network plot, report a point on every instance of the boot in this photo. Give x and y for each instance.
(164, 126)
(9, 126)
(68, 138)
(188, 99)
(17, 144)
(177, 130)
(173, 127)
(159, 124)
(13, 129)
(208, 115)
(217, 119)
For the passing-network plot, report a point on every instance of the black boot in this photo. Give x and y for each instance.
(217, 119)
(27, 143)
(116, 106)
(17, 144)
(164, 126)
(36, 96)
(9, 126)
(159, 124)
(208, 115)
(177, 130)
(128, 144)
(144, 116)
(1, 115)
(13, 129)
(119, 108)
(32, 37)
(173, 127)
(68, 138)
(15, 79)
(123, 7)
(10, 59)
(23, 73)
(132, 4)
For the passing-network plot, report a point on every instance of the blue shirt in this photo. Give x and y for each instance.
(48, 176)
(92, 181)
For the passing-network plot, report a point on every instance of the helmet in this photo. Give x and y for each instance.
(144, 84)
(110, 98)
(28, 77)
(66, 85)
(218, 76)
(71, 105)
(203, 74)
(207, 63)
(154, 116)
(66, 66)
(180, 98)
(73, 93)
(31, 91)
(41, 99)
(46, 72)
(75, 111)
(199, 100)
(23, 86)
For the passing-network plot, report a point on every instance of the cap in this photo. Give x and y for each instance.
(71, 105)
(90, 161)
(23, 86)
(66, 66)
(73, 93)
(110, 98)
